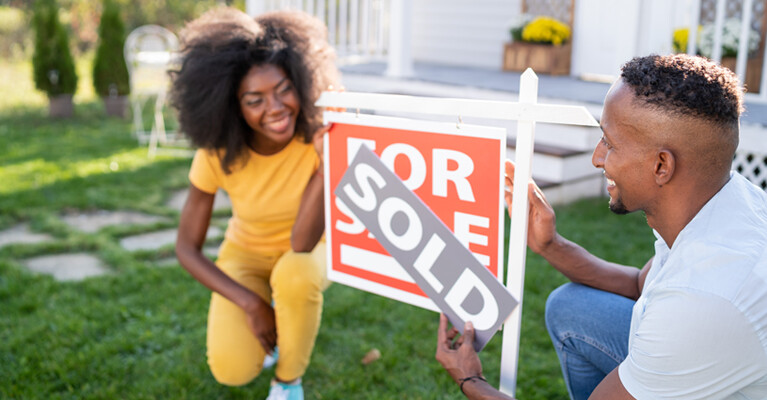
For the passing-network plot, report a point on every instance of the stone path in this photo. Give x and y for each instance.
(155, 240)
(21, 234)
(91, 222)
(67, 267)
(178, 199)
(79, 266)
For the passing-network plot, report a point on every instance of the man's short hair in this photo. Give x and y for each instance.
(686, 85)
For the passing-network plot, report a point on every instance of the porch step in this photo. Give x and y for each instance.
(567, 192)
(573, 137)
(562, 160)
(558, 164)
(563, 174)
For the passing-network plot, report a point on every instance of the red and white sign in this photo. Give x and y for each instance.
(456, 169)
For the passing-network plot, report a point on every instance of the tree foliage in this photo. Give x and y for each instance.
(110, 74)
(53, 66)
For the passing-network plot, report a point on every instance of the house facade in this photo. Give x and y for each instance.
(606, 33)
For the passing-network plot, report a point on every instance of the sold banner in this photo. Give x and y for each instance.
(455, 169)
(442, 267)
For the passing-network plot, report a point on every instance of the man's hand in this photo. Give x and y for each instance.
(458, 358)
(541, 230)
(261, 322)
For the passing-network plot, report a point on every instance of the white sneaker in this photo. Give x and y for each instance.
(285, 391)
(270, 360)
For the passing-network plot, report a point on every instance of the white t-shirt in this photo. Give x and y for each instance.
(699, 329)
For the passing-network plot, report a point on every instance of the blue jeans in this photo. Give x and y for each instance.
(590, 332)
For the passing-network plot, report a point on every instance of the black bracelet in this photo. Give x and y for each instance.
(471, 378)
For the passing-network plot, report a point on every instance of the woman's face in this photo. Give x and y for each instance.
(270, 106)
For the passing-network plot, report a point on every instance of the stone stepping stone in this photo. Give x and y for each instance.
(91, 222)
(211, 250)
(173, 261)
(177, 200)
(155, 240)
(21, 234)
(67, 267)
(166, 262)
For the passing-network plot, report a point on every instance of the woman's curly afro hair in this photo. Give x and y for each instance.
(218, 50)
(686, 85)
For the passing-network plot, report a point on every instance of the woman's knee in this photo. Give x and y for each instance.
(231, 371)
(297, 272)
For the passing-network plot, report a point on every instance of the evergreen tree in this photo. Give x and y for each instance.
(52, 63)
(110, 74)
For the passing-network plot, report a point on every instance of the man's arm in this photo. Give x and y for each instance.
(567, 257)
(611, 388)
(462, 363)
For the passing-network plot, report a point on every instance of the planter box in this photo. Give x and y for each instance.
(116, 106)
(753, 72)
(60, 106)
(542, 58)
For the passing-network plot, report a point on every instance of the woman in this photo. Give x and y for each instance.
(245, 92)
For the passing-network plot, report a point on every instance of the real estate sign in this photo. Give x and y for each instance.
(455, 169)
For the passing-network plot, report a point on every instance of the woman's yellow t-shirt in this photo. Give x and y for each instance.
(265, 192)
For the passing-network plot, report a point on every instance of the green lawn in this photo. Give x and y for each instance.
(140, 332)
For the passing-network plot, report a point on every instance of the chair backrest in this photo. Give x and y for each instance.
(149, 51)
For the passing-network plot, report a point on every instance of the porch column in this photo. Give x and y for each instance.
(400, 58)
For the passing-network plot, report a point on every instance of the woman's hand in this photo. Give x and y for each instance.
(260, 319)
(317, 141)
(541, 229)
(323, 130)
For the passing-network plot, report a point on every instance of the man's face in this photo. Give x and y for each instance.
(623, 151)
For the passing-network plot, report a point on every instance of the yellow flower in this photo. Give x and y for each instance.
(546, 30)
(681, 36)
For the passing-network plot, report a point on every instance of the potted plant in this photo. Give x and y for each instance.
(730, 43)
(110, 73)
(52, 63)
(540, 43)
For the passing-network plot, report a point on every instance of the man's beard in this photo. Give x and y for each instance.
(618, 207)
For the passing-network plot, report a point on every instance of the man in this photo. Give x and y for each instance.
(692, 323)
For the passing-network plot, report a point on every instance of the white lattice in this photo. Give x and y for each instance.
(557, 9)
(733, 9)
(753, 166)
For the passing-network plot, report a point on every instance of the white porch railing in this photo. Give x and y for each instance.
(358, 29)
(751, 157)
(746, 15)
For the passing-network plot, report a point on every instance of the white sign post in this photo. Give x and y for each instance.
(515, 280)
(527, 112)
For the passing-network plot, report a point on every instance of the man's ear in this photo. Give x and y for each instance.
(665, 163)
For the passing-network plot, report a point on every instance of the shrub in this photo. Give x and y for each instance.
(517, 25)
(110, 74)
(546, 30)
(53, 67)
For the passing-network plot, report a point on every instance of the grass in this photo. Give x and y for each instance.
(140, 332)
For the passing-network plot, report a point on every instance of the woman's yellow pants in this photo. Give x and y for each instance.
(295, 282)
